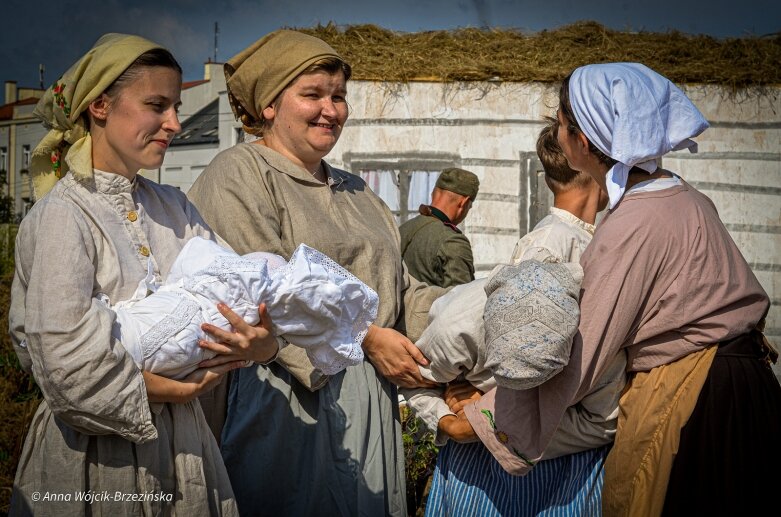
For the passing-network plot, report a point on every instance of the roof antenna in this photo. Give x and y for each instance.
(216, 32)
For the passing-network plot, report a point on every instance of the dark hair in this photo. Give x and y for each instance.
(557, 171)
(330, 65)
(151, 58)
(565, 108)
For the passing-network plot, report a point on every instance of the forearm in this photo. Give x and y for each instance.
(161, 389)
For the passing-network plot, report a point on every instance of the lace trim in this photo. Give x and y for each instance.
(369, 311)
(360, 325)
(168, 327)
(223, 268)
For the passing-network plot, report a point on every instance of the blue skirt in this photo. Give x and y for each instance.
(468, 481)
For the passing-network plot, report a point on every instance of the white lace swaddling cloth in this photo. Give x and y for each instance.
(314, 303)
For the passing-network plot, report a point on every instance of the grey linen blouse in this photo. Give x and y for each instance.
(96, 430)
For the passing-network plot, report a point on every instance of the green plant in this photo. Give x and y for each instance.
(7, 211)
(19, 398)
(420, 456)
(7, 242)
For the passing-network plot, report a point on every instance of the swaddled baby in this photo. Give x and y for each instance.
(515, 329)
(314, 303)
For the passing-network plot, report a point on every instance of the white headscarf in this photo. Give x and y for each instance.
(633, 115)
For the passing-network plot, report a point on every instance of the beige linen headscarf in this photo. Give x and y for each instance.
(68, 144)
(256, 75)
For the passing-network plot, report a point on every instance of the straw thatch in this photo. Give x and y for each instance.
(509, 55)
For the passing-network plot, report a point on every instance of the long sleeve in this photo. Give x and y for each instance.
(418, 298)
(518, 425)
(452, 342)
(658, 288)
(88, 379)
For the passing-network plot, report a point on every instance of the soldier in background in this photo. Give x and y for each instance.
(433, 248)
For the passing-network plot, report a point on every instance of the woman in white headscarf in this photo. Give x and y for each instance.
(664, 281)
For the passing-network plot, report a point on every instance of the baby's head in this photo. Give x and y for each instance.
(273, 261)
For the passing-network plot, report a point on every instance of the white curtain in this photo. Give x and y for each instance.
(384, 183)
(420, 186)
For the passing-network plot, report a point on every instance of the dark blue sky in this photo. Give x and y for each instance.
(56, 32)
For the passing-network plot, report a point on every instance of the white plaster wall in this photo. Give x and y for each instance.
(183, 164)
(196, 97)
(487, 126)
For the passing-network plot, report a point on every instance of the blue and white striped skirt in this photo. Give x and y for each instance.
(468, 481)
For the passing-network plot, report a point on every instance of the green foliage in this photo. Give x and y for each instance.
(420, 456)
(19, 398)
(7, 241)
(7, 211)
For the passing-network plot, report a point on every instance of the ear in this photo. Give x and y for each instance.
(582, 143)
(463, 202)
(269, 113)
(99, 108)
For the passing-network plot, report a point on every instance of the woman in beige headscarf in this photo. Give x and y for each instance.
(109, 439)
(296, 442)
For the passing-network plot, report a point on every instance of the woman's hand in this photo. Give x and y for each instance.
(458, 394)
(163, 389)
(245, 343)
(458, 428)
(395, 357)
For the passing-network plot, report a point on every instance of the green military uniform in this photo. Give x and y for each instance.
(435, 250)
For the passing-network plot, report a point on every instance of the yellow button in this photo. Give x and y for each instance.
(144, 251)
(132, 216)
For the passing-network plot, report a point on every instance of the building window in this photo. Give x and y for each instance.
(3, 167)
(26, 157)
(403, 190)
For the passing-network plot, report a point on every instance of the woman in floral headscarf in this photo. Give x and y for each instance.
(109, 439)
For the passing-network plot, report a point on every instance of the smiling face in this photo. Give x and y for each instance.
(132, 129)
(307, 118)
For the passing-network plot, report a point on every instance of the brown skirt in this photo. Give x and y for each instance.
(729, 460)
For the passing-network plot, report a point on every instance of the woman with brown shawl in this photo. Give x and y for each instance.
(296, 442)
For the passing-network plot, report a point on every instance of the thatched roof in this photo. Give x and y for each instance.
(509, 55)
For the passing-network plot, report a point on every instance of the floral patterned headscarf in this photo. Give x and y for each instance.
(68, 145)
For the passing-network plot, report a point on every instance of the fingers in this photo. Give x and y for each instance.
(412, 379)
(219, 360)
(219, 348)
(234, 319)
(224, 368)
(460, 390)
(426, 383)
(265, 317)
(218, 334)
(460, 405)
(414, 351)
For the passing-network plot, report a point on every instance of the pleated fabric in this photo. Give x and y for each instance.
(728, 461)
(468, 481)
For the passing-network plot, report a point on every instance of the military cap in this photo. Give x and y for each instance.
(459, 181)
